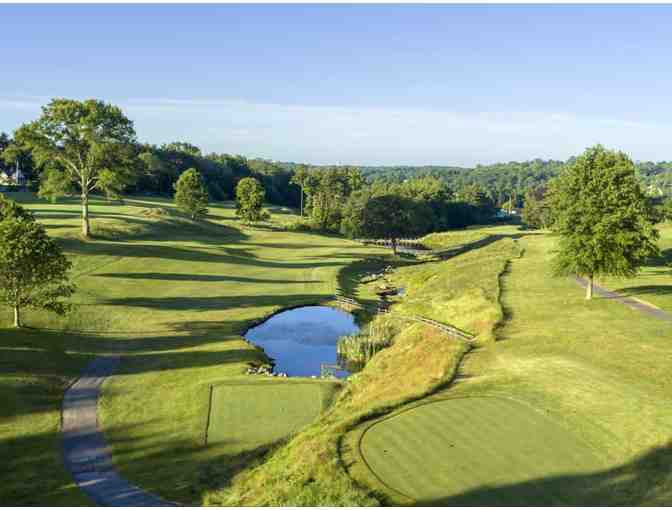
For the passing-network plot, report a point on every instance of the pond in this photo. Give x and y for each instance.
(302, 339)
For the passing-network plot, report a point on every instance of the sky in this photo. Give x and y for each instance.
(355, 84)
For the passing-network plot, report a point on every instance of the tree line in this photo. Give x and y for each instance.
(86, 147)
(90, 147)
(595, 203)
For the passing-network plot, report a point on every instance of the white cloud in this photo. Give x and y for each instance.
(338, 134)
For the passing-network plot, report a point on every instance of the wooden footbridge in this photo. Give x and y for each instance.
(350, 304)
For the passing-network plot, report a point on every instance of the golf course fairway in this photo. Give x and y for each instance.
(434, 452)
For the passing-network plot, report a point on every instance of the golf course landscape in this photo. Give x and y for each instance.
(325, 255)
(556, 401)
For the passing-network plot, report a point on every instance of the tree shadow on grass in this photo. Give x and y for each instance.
(291, 245)
(142, 363)
(185, 277)
(35, 374)
(448, 253)
(180, 470)
(34, 473)
(235, 256)
(652, 290)
(224, 302)
(664, 259)
(646, 480)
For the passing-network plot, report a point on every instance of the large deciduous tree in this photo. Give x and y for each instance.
(191, 195)
(388, 216)
(603, 218)
(33, 269)
(250, 200)
(89, 144)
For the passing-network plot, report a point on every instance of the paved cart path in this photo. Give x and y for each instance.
(632, 303)
(87, 456)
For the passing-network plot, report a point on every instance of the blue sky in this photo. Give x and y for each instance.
(360, 84)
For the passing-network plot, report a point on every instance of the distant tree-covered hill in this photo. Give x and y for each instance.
(510, 181)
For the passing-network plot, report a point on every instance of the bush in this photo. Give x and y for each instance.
(299, 226)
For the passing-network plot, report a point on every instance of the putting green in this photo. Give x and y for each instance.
(247, 415)
(480, 450)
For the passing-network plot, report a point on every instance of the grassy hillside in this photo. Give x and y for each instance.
(598, 369)
(173, 298)
(319, 461)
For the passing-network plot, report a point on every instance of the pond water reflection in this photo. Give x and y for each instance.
(302, 339)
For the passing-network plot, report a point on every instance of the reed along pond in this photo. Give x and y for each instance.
(302, 339)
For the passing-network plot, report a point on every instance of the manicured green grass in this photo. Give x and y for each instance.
(435, 452)
(323, 460)
(249, 415)
(653, 284)
(172, 297)
(312, 469)
(599, 368)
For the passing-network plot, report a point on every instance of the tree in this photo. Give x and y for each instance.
(33, 269)
(384, 217)
(250, 200)
(5, 142)
(156, 173)
(666, 211)
(13, 158)
(536, 210)
(191, 196)
(602, 216)
(89, 143)
(300, 178)
(327, 189)
(9, 209)
(52, 185)
(184, 147)
(474, 196)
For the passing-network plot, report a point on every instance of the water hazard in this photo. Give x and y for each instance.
(303, 339)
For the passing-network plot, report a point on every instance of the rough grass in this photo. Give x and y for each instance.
(321, 462)
(172, 297)
(455, 238)
(462, 291)
(309, 470)
(599, 367)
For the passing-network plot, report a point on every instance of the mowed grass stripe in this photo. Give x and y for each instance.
(447, 448)
(248, 416)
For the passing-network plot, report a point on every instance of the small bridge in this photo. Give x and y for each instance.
(350, 304)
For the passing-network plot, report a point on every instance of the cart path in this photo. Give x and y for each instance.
(632, 303)
(87, 457)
